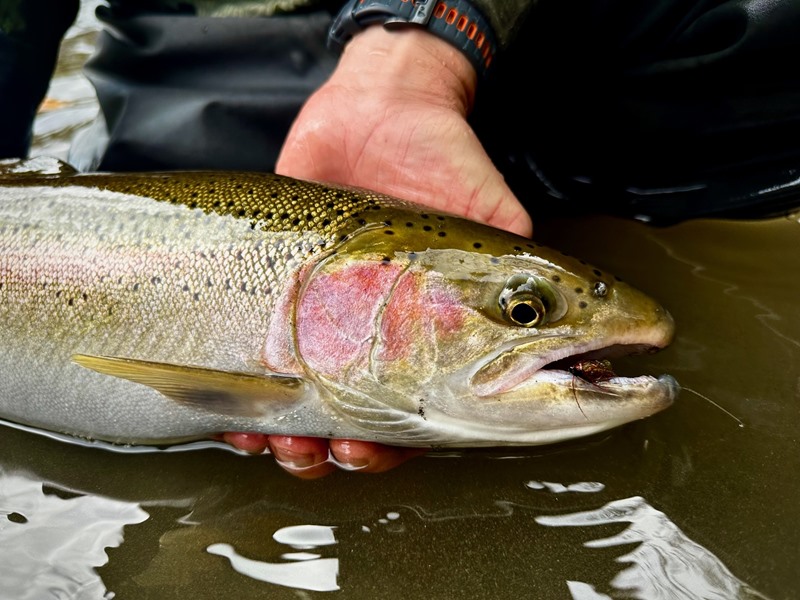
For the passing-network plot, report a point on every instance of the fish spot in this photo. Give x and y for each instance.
(389, 232)
(155, 280)
(16, 517)
(136, 287)
(70, 302)
(518, 248)
(441, 234)
(556, 278)
(597, 272)
(582, 304)
(409, 224)
(427, 228)
(295, 222)
(477, 245)
(440, 217)
(578, 290)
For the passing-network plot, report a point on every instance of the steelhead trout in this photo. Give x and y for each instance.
(158, 308)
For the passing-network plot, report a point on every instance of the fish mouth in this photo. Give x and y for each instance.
(581, 366)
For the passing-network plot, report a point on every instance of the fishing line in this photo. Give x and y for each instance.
(727, 412)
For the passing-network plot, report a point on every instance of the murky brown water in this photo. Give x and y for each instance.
(697, 502)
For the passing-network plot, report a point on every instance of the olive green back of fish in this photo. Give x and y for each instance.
(274, 203)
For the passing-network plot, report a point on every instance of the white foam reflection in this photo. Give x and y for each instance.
(303, 537)
(582, 487)
(306, 571)
(50, 546)
(666, 565)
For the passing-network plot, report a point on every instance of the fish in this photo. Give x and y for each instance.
(159, 308)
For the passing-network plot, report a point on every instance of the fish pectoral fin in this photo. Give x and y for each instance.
(223, 392)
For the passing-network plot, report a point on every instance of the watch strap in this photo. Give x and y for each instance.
(455, 21)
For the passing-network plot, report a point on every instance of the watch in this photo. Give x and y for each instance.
(455, 21)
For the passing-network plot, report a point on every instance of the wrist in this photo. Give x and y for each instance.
(408, 64)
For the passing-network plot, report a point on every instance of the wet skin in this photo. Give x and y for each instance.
(311, 458)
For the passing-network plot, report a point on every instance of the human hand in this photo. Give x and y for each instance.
(392, 118)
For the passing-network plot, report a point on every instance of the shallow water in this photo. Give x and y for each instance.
(701, 501)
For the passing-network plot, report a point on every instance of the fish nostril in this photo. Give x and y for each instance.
(600, 289)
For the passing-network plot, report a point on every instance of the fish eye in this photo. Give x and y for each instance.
(528, 301)
(527, 312)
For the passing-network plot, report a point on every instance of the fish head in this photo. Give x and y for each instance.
(487, 342)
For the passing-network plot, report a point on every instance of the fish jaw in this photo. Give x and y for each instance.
(549, 404)
(552, 406)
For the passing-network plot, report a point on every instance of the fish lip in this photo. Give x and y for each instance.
(568, 355)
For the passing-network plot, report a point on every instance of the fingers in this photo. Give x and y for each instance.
(311, 458)
(370, 457)
(254, 443)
